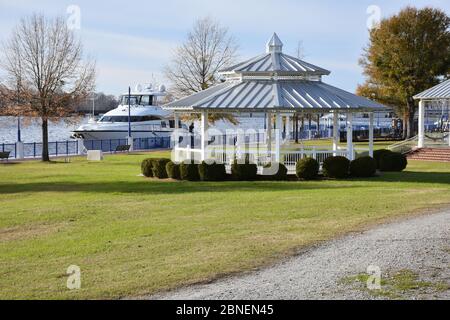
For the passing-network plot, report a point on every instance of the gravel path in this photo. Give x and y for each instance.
(418, 246)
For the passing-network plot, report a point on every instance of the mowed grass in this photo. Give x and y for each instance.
(133, 236)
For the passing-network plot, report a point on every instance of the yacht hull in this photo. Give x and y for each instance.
(118, 134)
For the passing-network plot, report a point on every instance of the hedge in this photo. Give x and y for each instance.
(336, 167)
(281, 173)
(307, 168)
(377, 154)
(244, 171)
(147, 167)
(393, 161)
(363, 167)
(173, 170)
(159, 168)
(189, 171)
(211, 172)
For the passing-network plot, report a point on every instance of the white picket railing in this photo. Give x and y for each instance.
(260, 157)
(404, 146)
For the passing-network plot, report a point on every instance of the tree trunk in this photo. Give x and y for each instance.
(411, 112)
(45, 155)
(296, 127)
(318, 125)
(404, 126)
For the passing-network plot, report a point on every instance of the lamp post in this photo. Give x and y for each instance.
(20, 154)
(129, 111)
(129, 138)
(19, 138)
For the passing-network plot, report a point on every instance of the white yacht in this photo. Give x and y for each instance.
(361, 120)
(146, 117)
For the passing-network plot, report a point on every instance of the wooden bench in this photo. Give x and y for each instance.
(123, 148)
(5, 155)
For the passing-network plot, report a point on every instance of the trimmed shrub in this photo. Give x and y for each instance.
(393, 161)
(211, 172)
(173, 170)
(307, 168)
(189, 171)
(147, 167)
(280, 175)
(336, 167)
(159, 168)
(363, 167)
(377, 154)
(244, 171)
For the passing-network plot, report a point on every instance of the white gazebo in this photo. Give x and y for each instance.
(439, 93)
(278, 85)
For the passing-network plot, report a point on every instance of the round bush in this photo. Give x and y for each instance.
(336, 167)
(280, 175)
(173, 170)
(393, 161)
(307, 168)
(159, 168)
(147, 167)
(189, 171)
(244, 171)
(363, 167)
(211, 172)
(377, 154)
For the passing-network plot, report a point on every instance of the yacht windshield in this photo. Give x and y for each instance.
(125, 118)
(143, 100)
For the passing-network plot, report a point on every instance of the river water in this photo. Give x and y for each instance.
(62, 130)
(31, 129)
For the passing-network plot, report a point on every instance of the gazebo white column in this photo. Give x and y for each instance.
(176, 136)
(371, 117)
(203, 133)
(269, 132)
(421, 136)
(350, 136)
(278, 137)
(335, 131)
(288, 127)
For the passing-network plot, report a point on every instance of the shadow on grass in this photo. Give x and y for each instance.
(411, 177)
(149, 186)
(167, 187)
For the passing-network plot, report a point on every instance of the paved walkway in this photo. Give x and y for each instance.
(419, 246)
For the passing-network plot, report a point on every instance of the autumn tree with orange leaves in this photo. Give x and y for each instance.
(407, 54)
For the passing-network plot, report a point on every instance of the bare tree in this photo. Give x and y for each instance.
(207, 49)
(44, 64)
(195, 64)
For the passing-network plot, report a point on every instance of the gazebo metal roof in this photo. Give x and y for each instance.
(274, 60)
(287, 95)
(441, 91)
(274, 81)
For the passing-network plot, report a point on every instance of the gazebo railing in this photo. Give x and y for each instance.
(262, 157)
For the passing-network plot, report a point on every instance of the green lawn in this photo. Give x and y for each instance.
(131, 235)
(328, 143)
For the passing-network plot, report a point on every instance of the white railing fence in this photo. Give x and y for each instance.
(262, 157)
(404, 146)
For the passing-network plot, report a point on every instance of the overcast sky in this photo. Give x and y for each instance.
(132, 41)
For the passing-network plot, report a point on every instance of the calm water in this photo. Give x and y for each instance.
(31, 129)
(61, 130)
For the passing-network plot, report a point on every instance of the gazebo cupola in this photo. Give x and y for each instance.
(278, 85)
(274, 65)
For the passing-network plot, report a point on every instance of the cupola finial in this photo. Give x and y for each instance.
(274, 44)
